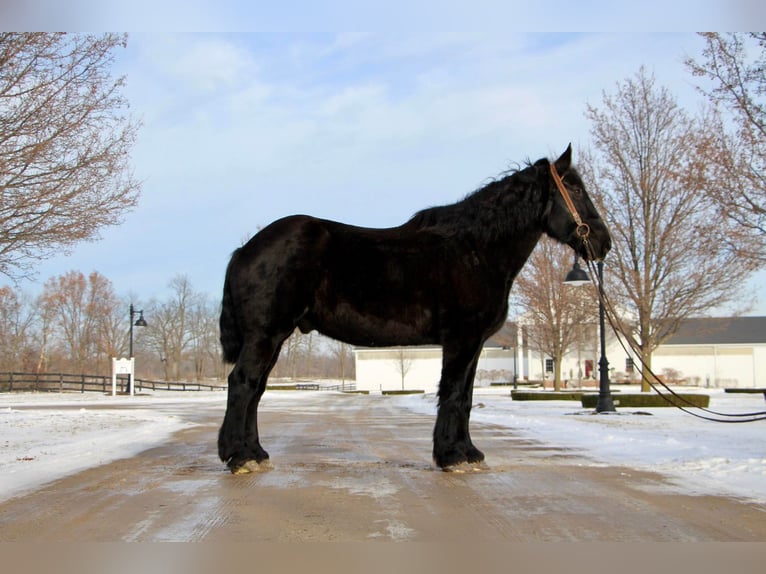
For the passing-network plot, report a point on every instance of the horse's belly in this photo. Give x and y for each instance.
(368, 328)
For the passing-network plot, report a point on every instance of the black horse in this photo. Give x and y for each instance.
(441, 278)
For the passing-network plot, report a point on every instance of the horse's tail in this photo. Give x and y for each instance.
(231, 335)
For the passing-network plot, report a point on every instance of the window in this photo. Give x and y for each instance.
(629, 365)
(548, 365)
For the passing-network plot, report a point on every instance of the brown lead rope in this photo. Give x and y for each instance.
(676, 400)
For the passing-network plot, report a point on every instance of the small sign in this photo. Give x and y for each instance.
(122, 367)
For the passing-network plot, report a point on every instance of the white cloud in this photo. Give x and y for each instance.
(194, 62)
(213, 64)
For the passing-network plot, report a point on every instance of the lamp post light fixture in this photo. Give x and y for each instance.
(140, 322)
(578, 276)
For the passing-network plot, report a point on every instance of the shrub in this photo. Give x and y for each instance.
(547, 395)
(650, 400)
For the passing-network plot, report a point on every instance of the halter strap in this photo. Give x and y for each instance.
(583, 230)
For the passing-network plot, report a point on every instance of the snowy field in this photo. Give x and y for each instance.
(47, 436)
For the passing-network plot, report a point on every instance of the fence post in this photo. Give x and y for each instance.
(10, 380)
(37, 382)
(61, 382)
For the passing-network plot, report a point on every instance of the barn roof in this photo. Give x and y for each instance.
(504, 338)
(698, 331)
(720, 331)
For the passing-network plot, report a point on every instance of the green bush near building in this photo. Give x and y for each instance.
(650, 400)
(517, 395)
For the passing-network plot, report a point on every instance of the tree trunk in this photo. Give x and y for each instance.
(557, 373)
(646, 369)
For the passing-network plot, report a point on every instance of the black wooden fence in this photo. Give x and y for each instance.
(61, 382)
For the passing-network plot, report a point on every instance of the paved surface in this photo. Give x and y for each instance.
(358, 469)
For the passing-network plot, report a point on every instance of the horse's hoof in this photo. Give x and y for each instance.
(250, 466)
(466, 467)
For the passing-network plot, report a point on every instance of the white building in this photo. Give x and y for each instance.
(718, 352)
(419, 368)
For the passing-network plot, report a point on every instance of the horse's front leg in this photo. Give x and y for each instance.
(453, 448)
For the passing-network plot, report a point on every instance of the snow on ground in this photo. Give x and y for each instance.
(698, 456)
(46, 436)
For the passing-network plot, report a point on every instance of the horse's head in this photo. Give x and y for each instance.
(571, 217)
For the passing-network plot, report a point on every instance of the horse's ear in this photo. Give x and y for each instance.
(565, 161)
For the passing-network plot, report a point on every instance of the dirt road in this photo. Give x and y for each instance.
(360, 470)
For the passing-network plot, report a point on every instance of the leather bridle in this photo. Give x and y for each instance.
(583, 229)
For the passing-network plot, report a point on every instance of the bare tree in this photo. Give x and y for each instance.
(204, 345)
(649, 171)
(738, 94)
(64, 144)
(402, 362)
(17, 319)
(341, 352)
(114, 330)
(555, 312)
(44, 313)
(169, 331)
(78, 306)
(296, 356)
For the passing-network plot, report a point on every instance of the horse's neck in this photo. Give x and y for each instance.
(513, 241)
(510, 253)
(504, 226)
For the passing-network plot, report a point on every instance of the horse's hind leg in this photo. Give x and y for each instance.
(238, 441)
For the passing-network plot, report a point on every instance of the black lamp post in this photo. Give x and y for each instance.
(578, 276)
(140, 322)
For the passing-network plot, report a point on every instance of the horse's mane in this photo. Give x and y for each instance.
(504, 204)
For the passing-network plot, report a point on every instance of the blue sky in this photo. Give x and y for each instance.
(240, 129)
